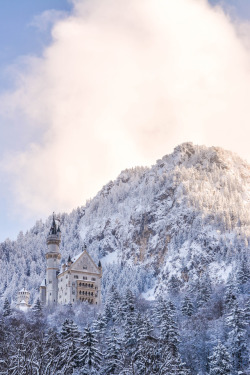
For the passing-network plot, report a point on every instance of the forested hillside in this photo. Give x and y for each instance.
(184, 219)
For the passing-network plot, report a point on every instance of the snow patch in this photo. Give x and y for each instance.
(110, 258)
(149, 295)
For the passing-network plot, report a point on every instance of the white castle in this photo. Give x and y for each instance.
(23, 297)
(77, 280)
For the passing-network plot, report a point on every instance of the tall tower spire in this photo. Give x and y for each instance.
(53, 257)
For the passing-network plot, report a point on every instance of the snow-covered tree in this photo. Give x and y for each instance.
(220, 362)
(113, 354)
(187, 307)
(6, 308)
(70, 352)
(236, 321)
(90, 357)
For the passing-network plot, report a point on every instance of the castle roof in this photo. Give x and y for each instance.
(66, 267)
(43, 282)
(76, 257)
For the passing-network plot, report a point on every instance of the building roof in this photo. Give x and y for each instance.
(76, 257)
(75, 260)
(43, 282)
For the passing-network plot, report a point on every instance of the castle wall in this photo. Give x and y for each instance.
(43, 294)
(81, 286)
(64, 288)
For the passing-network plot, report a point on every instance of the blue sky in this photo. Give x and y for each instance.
(22, 35)
(18, 37)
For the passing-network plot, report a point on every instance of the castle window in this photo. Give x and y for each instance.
(73, 300)
(84, 267)
(66, 276)
(50, 282)
(84, 278)
(75, 276)
(80, 284)
(93, 279)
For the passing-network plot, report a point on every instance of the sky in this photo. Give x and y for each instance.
(91, 87)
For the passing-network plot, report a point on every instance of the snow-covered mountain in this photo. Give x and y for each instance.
(173, 224)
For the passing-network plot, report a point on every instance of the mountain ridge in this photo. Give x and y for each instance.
(185, 216)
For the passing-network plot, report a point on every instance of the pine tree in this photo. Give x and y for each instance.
(159, 309)
(69, 355)
(52, 352)
(204, 290)
(243, 273)
(219, 362)
(187, 307)
(90, 357)
(113, 354)
(168, 329)
(171, 364)
(6, 308)
(129, 323)
(231, 293)
(174, 285)
(112, 305)
(99, 327)
(147, 357)
(37, 309)
(236, 321)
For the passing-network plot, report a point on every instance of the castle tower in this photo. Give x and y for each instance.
(53, 257)
(23, 297)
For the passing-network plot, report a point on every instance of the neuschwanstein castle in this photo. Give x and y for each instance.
(77, 280)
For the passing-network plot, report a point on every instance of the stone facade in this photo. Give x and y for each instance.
(79, 280)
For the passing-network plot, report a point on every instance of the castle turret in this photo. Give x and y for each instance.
(53, 257)
(23, 297)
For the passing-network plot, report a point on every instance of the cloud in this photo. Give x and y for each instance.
(120, 85)
(47, 18)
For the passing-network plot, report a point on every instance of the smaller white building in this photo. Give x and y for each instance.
(23, 297)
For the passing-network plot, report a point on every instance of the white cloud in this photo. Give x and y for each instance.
(122, 83)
